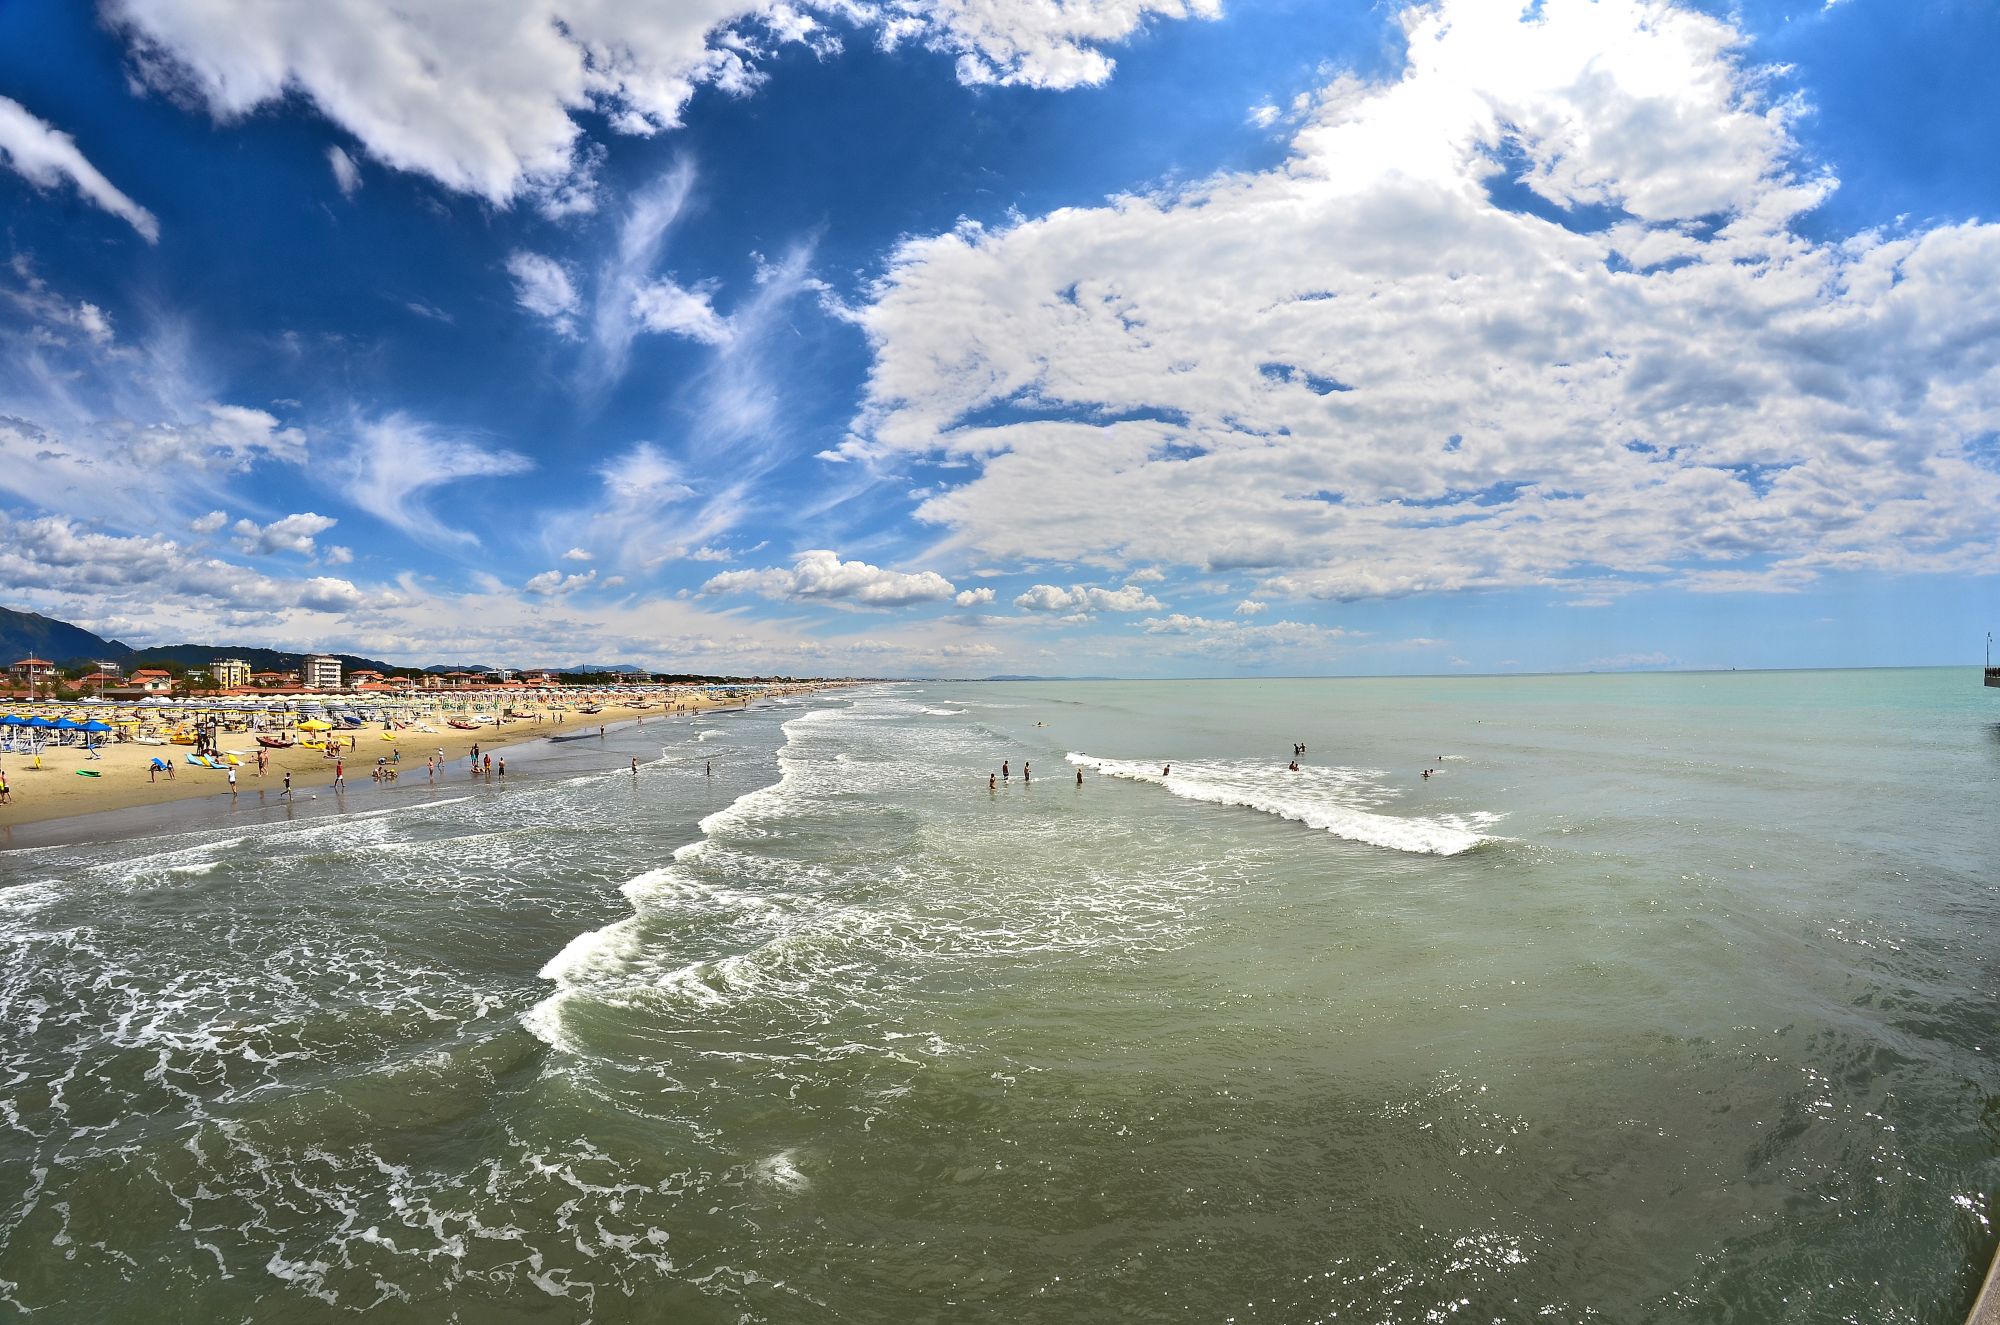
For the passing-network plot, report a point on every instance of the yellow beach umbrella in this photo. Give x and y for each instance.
(315, 725)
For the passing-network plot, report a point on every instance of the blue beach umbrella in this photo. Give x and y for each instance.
(13, 720)
(67, 725)
(40, 723)
(95, 726)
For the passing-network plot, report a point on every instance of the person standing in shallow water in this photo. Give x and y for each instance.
(1025, 774)
(1079, 777)
(1005, 772)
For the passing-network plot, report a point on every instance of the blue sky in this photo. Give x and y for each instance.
(1148, 337)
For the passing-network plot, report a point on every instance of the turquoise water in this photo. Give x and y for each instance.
(1667, 998)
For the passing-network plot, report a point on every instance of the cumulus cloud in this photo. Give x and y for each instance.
(294, 533)
(485, 96)
(553, 583)
(821, 576)
(45, 157)
(576, 554)
(1536, 309)
(54, 554)
(1250, 607)
(1086, 598)
(543, 287)
(208, 524)
(973, 597)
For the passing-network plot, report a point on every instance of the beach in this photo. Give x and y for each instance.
(125, 781)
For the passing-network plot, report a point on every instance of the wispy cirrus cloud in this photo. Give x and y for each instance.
(45, 156)
(393, 464)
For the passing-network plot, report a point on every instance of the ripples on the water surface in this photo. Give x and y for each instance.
(839, 1034)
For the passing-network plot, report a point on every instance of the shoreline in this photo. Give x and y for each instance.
(54, 796)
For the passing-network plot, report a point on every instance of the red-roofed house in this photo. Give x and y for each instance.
(151, 681)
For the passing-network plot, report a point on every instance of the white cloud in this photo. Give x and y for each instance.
(619, 312)
(973, 597)
(542, 286)
(1374, 371)
(577, 554)
(337, 555)
(293, 533)
(51, 554)
(393, 463)
(665, 306)
(346, 174)
(484, 96)
(1629, 661)
(208, 524)
(1086, 598)
(1250, 607)
(1203, 635)
(820, 575)
(553, 583)
(89, 421)
(45, 156)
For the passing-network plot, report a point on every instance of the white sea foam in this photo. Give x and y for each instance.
(1337, 801)
(942, 713)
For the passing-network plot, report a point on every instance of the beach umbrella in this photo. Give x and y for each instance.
(95, 726)
(67, 725)
(40, 723)
(13, 720)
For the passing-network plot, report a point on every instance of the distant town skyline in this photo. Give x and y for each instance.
(1126, 337)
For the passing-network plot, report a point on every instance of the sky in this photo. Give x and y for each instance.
(973, 337)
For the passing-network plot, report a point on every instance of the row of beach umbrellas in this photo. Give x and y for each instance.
(54, 724)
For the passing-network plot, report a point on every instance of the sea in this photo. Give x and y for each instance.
(1666, 997)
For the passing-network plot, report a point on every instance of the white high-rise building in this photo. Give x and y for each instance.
(320, 672)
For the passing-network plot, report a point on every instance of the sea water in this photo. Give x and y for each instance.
(1664, 998)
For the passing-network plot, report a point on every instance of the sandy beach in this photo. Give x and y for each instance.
(57, 790)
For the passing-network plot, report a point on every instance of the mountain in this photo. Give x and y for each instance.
(626, 669)
(32, 635)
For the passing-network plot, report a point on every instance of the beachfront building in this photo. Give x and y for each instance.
(320, 671)
(151, 681)
(274, 680)
(99, 679)
(229, 673)
(33, 674)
